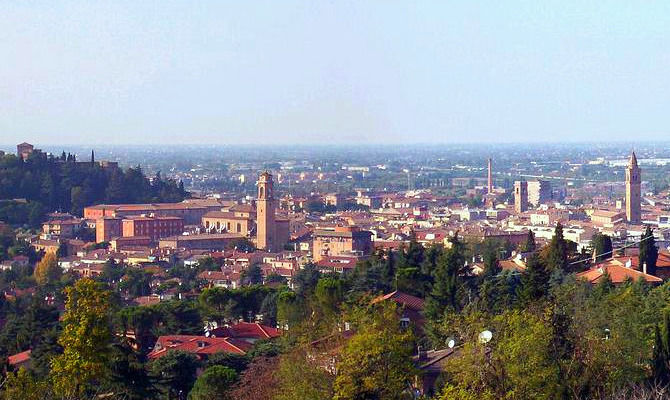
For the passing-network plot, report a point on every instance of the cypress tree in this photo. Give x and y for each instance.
(661, 355)
(529, 244)
(557, 251)
(648, 251)
(602, 246)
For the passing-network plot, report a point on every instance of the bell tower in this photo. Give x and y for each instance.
(633, 197)
(265, 213)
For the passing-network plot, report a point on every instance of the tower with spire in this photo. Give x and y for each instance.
(633, 196)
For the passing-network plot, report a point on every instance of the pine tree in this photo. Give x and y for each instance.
(534, 280)
(448, 281)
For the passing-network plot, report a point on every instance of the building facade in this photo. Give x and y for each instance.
(342, 241)
(154, 228)
(226, 221)
(539, 192)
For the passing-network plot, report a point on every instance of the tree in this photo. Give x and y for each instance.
(516, 364)
(253, 275)
(47, 271)
(174, 373)
(602, 246)
(141, 322)
(208, 264)
(236, 362)
(448, 281)
(376, 362)
(306, 279)
(329, 294)
(528, 246)
(258, 381)
(112, 272)
(213, 384)
(86, 339)
(491, 265)
(534, 280)
(556, 253)
(22, 385)
(136, 282)
(648, 251)
(661, 354)
(299, 378)
(290, 309)
(128, 378)
(242, 244)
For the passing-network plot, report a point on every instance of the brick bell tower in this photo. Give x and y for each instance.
(633, 196)
(265, 213)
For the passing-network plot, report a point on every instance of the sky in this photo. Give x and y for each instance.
(319, 72)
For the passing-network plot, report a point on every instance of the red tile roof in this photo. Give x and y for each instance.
(246, 330)
(19, 358)
(199, 345)
(404, 299)
(618, 273)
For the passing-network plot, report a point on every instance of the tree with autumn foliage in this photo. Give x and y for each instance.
(47, 271)
(86, 339)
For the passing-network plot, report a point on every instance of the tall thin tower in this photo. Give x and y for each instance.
(490, 181)
(265, 213)
(633, 197)
(520, 196)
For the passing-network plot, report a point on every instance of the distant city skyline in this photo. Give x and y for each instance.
(321, 72)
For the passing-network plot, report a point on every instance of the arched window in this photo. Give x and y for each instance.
(239, 227)
(261, 192)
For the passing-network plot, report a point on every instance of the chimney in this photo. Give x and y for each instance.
(490, 177)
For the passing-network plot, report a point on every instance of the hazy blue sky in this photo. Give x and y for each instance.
(319, 71)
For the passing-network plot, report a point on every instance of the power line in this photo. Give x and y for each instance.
(618, 248)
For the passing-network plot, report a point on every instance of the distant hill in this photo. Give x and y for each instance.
(45, 183)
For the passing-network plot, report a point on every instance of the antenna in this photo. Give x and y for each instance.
(485, 336)
(451, 342)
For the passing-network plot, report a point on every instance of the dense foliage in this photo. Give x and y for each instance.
(553, 336)
(64, 184)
